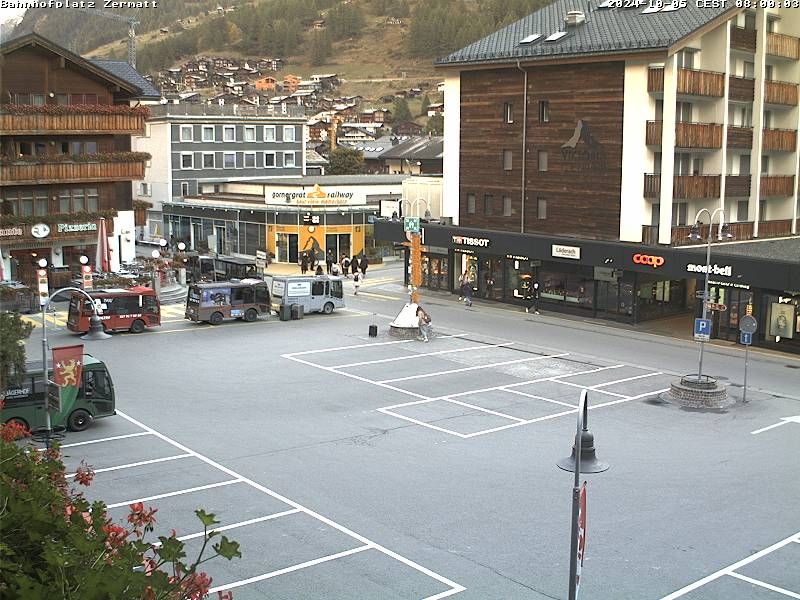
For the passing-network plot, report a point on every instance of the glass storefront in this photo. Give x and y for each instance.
(658, 297)
(782, 320)
(435, 272)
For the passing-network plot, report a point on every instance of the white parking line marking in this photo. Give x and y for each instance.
(593, 388)
(192, 536)
(599, 385)
(473, 368)
(421, 355)
(486, 410)
(539, 398)
(310, 563)
(765, 585)
(239, 478)
(386, 411)
(137, 464)
(292, 354)
(176, 493)
(108, 439)
(731, 568)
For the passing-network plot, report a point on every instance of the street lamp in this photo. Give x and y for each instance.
(695, 234)
(95, 333)
(181, 246)
(84, 260)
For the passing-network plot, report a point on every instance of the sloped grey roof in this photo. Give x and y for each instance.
(418, 148)
(606, 31)
(371, 149)
(124, 71)
(784, 250)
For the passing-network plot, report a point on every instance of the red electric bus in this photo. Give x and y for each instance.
(119, 310)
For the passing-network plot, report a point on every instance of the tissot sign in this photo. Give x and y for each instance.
(463, 240)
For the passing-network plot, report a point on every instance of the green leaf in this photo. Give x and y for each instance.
(227, 549)
(207, 519)
(171, 549)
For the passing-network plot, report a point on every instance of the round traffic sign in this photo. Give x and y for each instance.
(748, 324)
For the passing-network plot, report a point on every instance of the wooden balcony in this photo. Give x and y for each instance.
(693, 82)
(776, 185)
(743, 39)
(785, 46)
(780, 92)
(777, 228)
(655, 79)
(679, 236)
(683, 186)
(740, 137)
(779, 140)
(737, 186)
(71, 124)
(33, 173)
(687, 135)
(741, 89)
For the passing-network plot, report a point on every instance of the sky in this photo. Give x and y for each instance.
(8, 13)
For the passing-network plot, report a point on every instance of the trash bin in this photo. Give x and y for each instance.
(373, 331)
(285, 312)
(297, 311)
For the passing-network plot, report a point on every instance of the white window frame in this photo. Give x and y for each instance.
(184, 188)
(225, 130)
(249, 129)
(293, 136)
(207, 128)
(294, 160)
(267, 130)
(145, 189)
(244, 160)
(274, 160)
(226, 155)
(213, 160)
(191, 156)
(181, 129)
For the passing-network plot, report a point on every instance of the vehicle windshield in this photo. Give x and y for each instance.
(194, 296)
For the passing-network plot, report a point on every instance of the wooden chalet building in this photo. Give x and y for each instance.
(65, 156)
(580, 141)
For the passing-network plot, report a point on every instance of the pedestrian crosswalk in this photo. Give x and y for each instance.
(170, 313)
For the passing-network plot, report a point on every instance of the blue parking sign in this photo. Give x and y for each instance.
(745, 338)
(702, 329)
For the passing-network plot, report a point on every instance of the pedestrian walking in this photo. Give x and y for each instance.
(335, 270)
(533, 298)
(329, 260)
(303, 263)
(356, 282)
(489, 285)
(424, 320)
(363, 265)
(346, 265)
(462, 281)
(354, 264)
(467, 290)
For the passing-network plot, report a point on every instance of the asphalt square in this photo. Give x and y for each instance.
(772, 569)
(652, 384)
(730, 588)
(515, 404)
(455, 418)
(118, 452)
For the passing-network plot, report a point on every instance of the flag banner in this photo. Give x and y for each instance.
(581, 536)
(67, 370)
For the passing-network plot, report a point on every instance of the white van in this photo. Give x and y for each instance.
(320, 293)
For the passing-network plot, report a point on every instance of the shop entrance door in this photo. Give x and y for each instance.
(339, 243)
(490, 279)
(434, 272)
(725, 324)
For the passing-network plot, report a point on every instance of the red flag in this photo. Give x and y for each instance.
(67, 366)
(581, 536)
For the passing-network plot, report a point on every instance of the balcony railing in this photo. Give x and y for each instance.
(786, 46)
(780, 92)
(694, 82)
(687, 135)
(653, 133)
(70, 124)
(683, 186)
(742, 89)
(655, 79)
(740, 137)
(737, 186)
(776, 185)
(779, 140)
(743, 39)
(39, 173)
(679, 235)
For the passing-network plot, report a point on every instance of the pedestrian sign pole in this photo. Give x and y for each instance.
(747, 327)
(412, 228)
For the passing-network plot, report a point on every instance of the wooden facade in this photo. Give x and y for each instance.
(684, 187)
(691, 82)
(737, 186)
(740, 137)
(780, 92)
(786, 46)
(580, 136)
(743, 39)
(777, 185)
(71, 124)
(31, 173)
(779, 140)
(742, 89)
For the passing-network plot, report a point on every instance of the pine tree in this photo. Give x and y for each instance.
(400, 111)
(423, 109)
(13, 333)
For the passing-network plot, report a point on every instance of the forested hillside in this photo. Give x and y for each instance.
(282, 28)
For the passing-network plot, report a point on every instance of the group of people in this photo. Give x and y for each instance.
(357, 266)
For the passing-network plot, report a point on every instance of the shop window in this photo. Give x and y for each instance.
(471, 204)
(250, 159)
(229, 160)
(269, 133)
(542, 160)
(508, 112)
(544, 111)
(507, 160)
(92, 200)
(488, 200)
(507, 212)
(229, 133)
(269, 159)
(208, 133)
(186, 133)
(541, 208)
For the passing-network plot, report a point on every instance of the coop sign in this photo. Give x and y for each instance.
(726, 271)
(462, 240)
(75, 227)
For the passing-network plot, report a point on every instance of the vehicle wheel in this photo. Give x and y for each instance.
(328, 308)
(216, 318)
(137, 326)
(251, 315)
(19, 421)
(78, 420)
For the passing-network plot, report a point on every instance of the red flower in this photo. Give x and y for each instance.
(84, 474)
(115, 535)
(195, 586)
(141, 519)
(13, 431)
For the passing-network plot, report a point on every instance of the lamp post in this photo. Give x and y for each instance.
(95, 333)
(696, 235)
